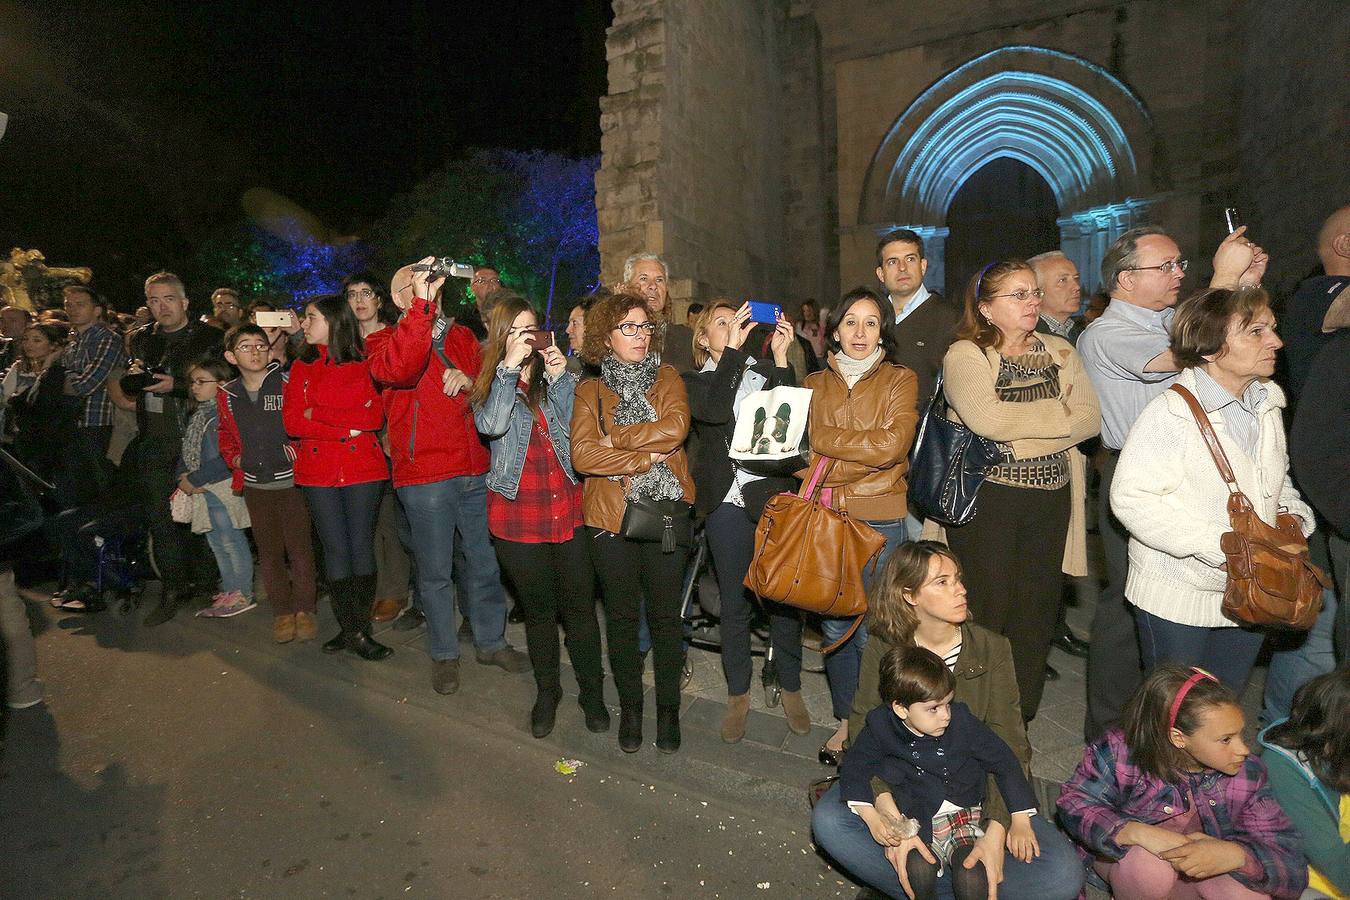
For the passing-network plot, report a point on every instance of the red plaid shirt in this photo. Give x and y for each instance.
(547, 508)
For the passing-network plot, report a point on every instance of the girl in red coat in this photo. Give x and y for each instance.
(330, 405)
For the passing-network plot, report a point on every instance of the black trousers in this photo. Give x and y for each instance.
(1114, 668)
(1011, 554)
(180, 555)
(554, 581)
(731, 538)
(629, 572)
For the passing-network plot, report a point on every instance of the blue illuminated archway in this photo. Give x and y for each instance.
(1071, 121)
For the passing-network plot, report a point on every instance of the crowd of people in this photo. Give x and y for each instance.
(411, 467)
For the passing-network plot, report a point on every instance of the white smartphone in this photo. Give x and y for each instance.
(268, 319)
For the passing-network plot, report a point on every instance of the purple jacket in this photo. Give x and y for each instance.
(1108, 790)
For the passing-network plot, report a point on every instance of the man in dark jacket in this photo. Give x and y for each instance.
(1057, 276)
(161, 355)
(924, 325)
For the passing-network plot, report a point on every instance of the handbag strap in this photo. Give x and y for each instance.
(1211, 439)
(810, 487)
(830, 648)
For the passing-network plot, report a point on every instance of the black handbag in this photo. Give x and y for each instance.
(668, 522)
(947, 464)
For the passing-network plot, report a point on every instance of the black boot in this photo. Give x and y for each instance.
(361, 598)
(592, 703)
(339, 590)
(545, 711)
(668, 728)
(630, 728)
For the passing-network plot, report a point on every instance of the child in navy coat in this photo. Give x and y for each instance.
(934, 757)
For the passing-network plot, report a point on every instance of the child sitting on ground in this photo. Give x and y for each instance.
(216, 510)
(1308, 755)
(934, 757)
(1173, 805)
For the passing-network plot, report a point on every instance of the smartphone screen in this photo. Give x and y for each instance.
(764, 312)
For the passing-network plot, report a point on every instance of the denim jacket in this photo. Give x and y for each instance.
(505, 420)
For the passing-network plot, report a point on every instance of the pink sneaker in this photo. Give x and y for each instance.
(224, 606)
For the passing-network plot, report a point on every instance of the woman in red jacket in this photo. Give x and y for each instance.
(331, 406)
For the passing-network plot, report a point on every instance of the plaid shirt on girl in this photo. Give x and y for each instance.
(1108, 790)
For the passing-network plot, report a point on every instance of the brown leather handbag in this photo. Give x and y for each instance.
(812, 557)
(1271, 580)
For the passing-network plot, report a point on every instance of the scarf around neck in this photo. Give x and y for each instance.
(201, 418)
(632, 381)
(851, 369)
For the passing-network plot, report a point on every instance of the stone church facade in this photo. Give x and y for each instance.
(760, 146)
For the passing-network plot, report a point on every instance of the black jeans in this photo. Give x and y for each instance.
(731, 538)
(345, 519)
(1114, 669)
(555, 581)
(629, 572)
(180, 555)
(1010, 557)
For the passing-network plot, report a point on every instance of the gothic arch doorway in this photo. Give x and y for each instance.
(1072, 123)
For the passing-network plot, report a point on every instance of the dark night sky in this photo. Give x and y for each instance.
(135, 127)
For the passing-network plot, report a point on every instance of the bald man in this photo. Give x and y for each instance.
(1303, 326)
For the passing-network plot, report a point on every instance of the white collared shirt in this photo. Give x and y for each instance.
(914, 301)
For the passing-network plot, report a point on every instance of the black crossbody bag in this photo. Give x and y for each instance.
(667, 522)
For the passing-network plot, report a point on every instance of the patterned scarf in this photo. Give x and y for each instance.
(632, 381)
(201, 418)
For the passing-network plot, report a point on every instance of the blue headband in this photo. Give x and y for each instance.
(980, 280)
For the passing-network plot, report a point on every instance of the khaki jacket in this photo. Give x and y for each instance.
(603, 500)
(984, 682)
(868, 430)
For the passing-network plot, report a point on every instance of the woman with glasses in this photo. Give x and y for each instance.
(370, 301)
(628, 432)
(1029, 393)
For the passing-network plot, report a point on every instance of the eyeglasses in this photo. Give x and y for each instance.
(251, 348)
(1023, 295)
(630, 329)
(1167, 268)
(198, 382)
(362, 294)
(486, 279)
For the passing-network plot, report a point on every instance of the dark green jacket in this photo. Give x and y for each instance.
(984, 682)
(1313, 807)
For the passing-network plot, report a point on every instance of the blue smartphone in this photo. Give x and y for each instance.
(764, 312)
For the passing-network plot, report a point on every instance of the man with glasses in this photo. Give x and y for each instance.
(486, 282)
(226, 307)
(1127, 357)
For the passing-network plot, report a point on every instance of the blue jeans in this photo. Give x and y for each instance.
(1297, 659)
(345, 517)
(230, 548)
(842, 665)
(1057, 874)
(437, 513)
(1226, 653)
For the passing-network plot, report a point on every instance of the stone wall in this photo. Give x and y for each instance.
(1295, 129)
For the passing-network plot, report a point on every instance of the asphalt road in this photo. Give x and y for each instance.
(200, 760)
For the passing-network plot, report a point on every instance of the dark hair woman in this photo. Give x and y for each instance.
(330, 405)
(863, 413)
(39, 418)
(522, 401)
(920, 600)
(1308, 755)
(628, 432)
(370, 301)
(1030, 394)
(732, 500)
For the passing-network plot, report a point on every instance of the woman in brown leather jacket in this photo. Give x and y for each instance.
(863, 414)
(628, 431)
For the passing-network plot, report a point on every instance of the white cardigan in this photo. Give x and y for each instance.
(1168, 493)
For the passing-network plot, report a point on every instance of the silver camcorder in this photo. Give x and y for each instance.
(445, 267)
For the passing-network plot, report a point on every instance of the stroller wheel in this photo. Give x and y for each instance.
(773, 695)
(686, 674)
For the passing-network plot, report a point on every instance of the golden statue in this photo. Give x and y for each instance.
(14, 287)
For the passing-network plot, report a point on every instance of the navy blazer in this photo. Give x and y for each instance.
(924, 771)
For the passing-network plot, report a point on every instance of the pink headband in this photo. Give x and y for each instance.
(1200, 675)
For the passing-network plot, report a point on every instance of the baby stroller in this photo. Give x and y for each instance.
(702, 616)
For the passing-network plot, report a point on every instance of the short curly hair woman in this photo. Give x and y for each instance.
(604, 317)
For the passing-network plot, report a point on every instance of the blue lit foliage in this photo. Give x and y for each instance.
(261, 264)
(532, 215)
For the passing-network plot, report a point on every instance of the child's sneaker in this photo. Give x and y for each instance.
(225, 605)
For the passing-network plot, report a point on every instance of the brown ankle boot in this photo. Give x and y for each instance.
(733, 723)
(798, 719)
(283, 629)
